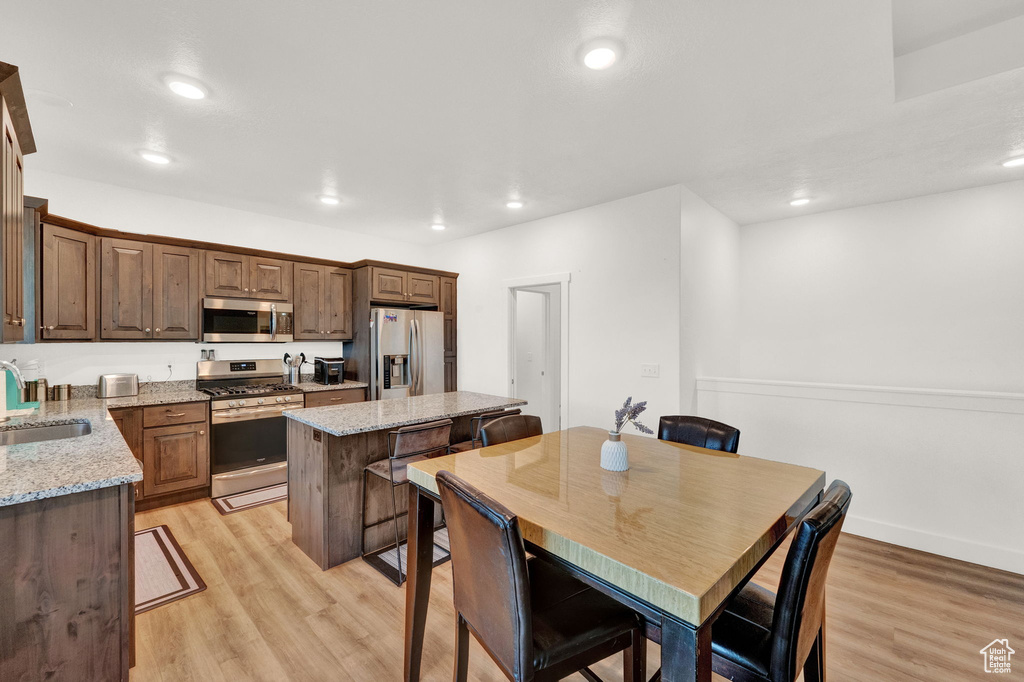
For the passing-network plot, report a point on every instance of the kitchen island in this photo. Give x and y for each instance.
(328, 447)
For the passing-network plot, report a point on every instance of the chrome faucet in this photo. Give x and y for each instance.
(13, 369)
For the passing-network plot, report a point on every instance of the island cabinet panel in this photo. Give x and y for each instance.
(338, 303)
(67, 586)
(227, 274)
(12, 214)
(270, 279)
(175, 292)
(129, 422)
(387, 285)
(423, 289)
(68, 301)
(126, 283)
(175, 458)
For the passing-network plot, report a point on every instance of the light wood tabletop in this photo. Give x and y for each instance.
(680, 529)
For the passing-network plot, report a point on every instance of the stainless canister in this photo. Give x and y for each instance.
(62, 392)
(42, 390)
(30, 394)
(291, 374)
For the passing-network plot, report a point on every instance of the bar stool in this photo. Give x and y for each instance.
(511, 428)
(406, 445)
(478, 422)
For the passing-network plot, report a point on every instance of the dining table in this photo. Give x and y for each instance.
(674, 536)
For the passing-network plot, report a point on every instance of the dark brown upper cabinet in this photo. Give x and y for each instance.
(234, 275)
(126, 289)
(449, 306)
(175, 292)
(404, 287)
(148, 291)
(323, 302)
(12, 216)
(68, 300)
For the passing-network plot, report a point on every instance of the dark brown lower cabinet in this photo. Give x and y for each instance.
(67, 586)
(451, 374)
(175, 458)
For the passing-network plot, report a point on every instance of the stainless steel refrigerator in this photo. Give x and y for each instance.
(406, 353)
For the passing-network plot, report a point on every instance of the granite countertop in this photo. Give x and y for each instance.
(33, 471)
(309, 386)
(376, 415)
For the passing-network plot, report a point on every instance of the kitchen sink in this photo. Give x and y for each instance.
(35, 434)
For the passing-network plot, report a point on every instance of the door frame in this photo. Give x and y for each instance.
(561, 279)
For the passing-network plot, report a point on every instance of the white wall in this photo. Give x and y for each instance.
(143, 212)
(623, 301)
(885, 344)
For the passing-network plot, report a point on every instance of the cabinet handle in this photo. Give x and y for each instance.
(50, 328)
(158, 330)
(21, 322)
(202, 433)
(175, 414)
(247, 288)
(147, 330)
(334, 400)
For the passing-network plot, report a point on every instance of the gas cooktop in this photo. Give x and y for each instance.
(249, 390)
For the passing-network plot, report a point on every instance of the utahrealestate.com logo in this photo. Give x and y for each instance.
(997, 656)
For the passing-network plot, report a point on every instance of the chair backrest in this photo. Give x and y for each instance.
(800, 602)
(420, 439)
(489, 573)
(481, 420)
(704, 433)
(511, 428)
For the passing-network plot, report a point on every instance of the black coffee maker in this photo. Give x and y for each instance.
(329, 371)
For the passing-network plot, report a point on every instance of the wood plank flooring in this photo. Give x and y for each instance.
(269, 613)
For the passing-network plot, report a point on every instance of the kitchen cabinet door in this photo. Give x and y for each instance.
(309, 302)
(449, 306)
(126, 283)
(270, 279)
(175, 458)
(12, 216)
(387, 285)
(175, 292)
(227, 274)
(68, 309)
(337, 303)
(423, 289)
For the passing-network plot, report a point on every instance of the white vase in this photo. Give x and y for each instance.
(614, 456)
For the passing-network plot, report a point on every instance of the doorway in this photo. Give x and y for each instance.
(537, 358)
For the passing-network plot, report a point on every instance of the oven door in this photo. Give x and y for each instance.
(240, 321)
(242, 438)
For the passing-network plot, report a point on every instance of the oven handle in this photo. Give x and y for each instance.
(251, 414)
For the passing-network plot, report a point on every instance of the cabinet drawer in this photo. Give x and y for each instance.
(339, 397)
(167, 415)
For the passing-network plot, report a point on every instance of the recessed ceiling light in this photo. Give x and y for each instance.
(155, 157)
(601, 54)
(1014, 163)
(437, 226)
(186, 87)
(329, 200)
(800, 202)
(515, 203)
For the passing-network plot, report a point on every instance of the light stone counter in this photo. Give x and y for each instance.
(376, 415)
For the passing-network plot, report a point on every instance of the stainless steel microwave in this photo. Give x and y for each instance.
(229, 320)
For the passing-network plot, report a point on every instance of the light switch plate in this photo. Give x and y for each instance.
(650, 371)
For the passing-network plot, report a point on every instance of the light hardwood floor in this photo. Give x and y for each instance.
(269, 613)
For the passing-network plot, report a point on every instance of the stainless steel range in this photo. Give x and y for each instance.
(248, 433)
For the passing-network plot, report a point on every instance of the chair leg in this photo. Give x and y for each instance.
(634, 663)
(814, 666)
(398, 546)
(461, 650)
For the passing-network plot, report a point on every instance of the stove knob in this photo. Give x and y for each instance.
(241, 402)
(260, 401)
(280, 399)
(231, 403)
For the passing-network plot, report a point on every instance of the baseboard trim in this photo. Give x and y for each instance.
(1002, 558)
(978, 401)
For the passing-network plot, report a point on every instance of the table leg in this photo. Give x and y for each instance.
(685, 652)
(417, 588)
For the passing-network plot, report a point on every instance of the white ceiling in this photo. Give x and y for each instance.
(922, 23)
(418, 111)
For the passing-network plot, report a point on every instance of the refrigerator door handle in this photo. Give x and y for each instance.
(419, 359)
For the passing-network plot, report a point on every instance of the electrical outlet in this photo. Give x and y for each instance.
(650, 371)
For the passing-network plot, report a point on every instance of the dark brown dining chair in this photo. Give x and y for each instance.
(510, 428)
(406, 445)
(535, 620)
(698, 431)
(767, 637)
(477, 423)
